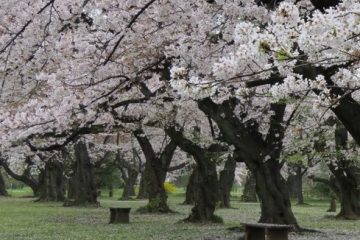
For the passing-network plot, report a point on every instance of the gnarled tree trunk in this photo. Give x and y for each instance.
(205, 179)
(25, 178)
(207, 187)
(226, 181)
(260, 155)
(155, 172)
(52, 182)
(272, 191)
(83, 180)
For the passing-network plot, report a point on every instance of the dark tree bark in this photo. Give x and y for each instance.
(52, 182)
(3, 191)
(226, 181)
(273, 194)
(249, 194)
(348, 177)
(83, 180)
(324, 4)
(205, 179)
(155, 172)
(260, 155)
(25, 178)
(348, 112)
(191, 188)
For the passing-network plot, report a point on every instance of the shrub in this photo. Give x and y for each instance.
(169, 187)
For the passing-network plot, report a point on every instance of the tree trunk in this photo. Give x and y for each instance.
(349, 181)
(226, 181)
(51, 181)
(249, 193)
(273, 194)
(3, 191)
(155, 187)
(156, 167)
(347, 175)
(207, 187)
(25, 178)
(143, 193)
(191, 188)
(111, 190)
(295, 185)
(85, 192)
(332, 207)
(70, 185)
(261, 155)
(205, 179)
(348, 112)
(130, 181)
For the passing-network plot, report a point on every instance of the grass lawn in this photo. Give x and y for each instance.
(21, 218)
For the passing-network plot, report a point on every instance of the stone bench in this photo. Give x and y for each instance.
(119, 215)
(264, 231)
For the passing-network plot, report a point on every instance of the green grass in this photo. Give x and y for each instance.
(21, 218)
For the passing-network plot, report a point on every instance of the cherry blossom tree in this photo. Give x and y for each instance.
(70, 68)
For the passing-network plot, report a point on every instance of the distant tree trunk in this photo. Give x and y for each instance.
(249, 193)
(111, 189)
(130, 180)
(226, 181)
(85, 192)
(52, 182)
(332, 207)
(143, 193)
(191, 188)
(70, 186)
(3, 191)
(295, 185)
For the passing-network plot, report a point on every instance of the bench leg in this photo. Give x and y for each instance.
(276, 234)
(119, 216)
(254, 233)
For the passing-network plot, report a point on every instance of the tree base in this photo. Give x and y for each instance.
(196, 219)
(146, 209)
(348, 216)
(69, 203)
